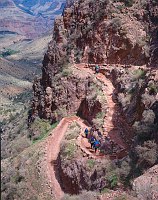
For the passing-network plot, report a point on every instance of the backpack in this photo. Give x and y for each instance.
(97, 144)
(92, 140)
(86, 131)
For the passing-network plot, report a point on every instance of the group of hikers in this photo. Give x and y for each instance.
(94, 137)
(100, 142)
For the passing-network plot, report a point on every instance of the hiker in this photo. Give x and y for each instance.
(97, 68)
(92, 129)
(96, 145)
(86, 132)
(92, 140)
(99, 133)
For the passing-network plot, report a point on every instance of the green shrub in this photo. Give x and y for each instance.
(8, 52)
(138, 74)
(153, 89)
(17, 177)
(112, 180)
(127, 3)
(121, 197)
(61, 112)
(68, 149)
(42, 128)
(73, 131)
(91, 163)
(99, 119)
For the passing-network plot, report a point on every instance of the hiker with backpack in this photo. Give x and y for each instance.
(96, 145)
(92, 140)
(86, 132)
(97, 68)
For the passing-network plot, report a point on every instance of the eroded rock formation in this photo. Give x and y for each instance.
(95, 32)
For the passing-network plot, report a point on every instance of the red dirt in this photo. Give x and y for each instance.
(55, 139)
(109, 128)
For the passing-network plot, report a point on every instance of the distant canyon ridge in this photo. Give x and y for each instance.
(27, 17)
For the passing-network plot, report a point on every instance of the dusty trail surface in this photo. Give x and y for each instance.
(56, 136)
(53, 148)
(109, 128)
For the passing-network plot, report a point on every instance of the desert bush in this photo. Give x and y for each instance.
(127, 3)
(73, 131)
(8, 52)
(99, 119)
(146, 127)
(40, 129)
(66, 72)
(124, 171)
(105, 190)
(68, 149)
(153, 88)
(138, 74)
(91, 163)
(115, 24)
(61, 112)
(147, 154)
(112, 180)
(17, 177)
(121, 197)
(148, 117)
(23, 97)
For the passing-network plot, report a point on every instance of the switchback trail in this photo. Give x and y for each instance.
(109, 128)
(56, 136)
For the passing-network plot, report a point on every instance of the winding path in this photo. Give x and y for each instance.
(108, 126)
(53, 148)
(56, 136)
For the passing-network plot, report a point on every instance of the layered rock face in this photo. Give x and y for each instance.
(29, 18)
(94, 32)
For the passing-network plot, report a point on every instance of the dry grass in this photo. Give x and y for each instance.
(24, 175)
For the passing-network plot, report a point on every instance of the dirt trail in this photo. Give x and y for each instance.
(53, 148)
(108, 127)
(55, 139)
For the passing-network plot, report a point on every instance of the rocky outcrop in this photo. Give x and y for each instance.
(89, 32)
(146, 185)
(136, 91)
(69, 92)
(82, 174)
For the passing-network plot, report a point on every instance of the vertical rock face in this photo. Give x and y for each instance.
(153, 13)
(94, 32)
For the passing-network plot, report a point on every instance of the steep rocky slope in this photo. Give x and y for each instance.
(120, 35)
(96, 32)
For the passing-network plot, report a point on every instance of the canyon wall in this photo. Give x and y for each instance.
(95, 32)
